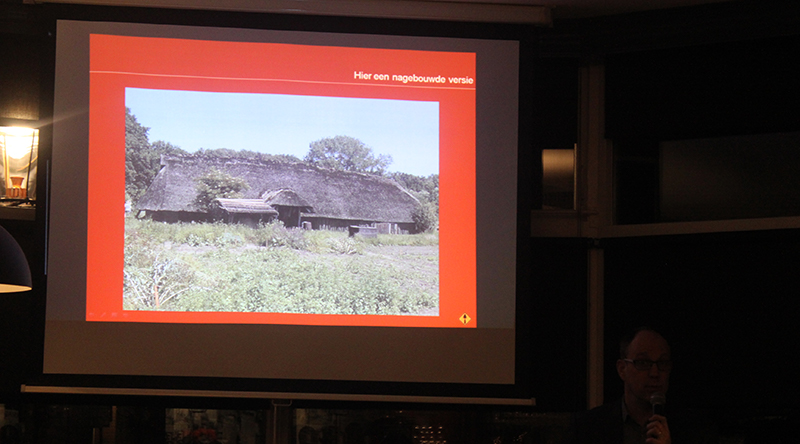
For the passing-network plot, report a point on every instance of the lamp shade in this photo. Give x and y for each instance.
(15, 274)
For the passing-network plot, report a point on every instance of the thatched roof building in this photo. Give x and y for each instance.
(249, 206)
(287, 197)
(297, 191)
(246, 211)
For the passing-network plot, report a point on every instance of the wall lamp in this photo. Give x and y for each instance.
(15, 274)
(19, 152)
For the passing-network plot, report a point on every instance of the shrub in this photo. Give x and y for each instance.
(424, 217)
(217, 184)
(221, 267)
(275, 235)
(152, 279)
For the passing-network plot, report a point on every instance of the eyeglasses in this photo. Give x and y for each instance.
(646, 364)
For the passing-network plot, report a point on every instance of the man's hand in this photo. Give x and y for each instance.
(658, 431)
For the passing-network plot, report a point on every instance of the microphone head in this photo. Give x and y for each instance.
(657, 400)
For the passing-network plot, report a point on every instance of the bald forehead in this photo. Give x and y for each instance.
(649, 344)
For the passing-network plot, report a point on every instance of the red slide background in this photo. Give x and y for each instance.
(117, 62)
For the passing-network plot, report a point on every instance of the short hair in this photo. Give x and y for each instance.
(625, 341)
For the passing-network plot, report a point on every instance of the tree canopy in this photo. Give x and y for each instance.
(426, 190)
(345, 153)
(216, 184)
(247, 155)
(142, 159)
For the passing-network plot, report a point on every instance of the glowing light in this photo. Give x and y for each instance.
(18, 141)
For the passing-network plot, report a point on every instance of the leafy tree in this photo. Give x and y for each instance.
(424, 217)
(424, 188)
(248, 155)
(166, 148)
(138, 157)
(142, 159)
(288, 158)
(345, 153)
(216, 184)
(217, 152)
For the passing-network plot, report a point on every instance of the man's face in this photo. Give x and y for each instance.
(646, 345)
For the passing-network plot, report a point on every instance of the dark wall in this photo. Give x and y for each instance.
(24, 45)
(708, 90)
(717, 84)
(728, 305)
(558, 323)
(20, 315)
(726, 301)
(556, 267)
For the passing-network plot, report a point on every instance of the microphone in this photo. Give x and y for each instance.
(658, 401)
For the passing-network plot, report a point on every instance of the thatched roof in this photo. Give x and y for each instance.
(331, 194)
(286, 197)
(249, 206)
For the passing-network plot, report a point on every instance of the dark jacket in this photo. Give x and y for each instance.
(600, 425)
(603, 425)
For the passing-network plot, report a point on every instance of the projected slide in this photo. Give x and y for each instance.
(266, 183)
(297, 206)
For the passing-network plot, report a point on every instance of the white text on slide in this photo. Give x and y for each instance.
(413, 78)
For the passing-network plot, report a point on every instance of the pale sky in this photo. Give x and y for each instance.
(286, 124)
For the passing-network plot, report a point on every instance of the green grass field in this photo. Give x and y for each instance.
(221, 267)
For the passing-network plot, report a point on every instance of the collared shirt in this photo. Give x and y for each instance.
(632, 432)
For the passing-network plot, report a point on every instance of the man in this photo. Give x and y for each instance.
(644, 367)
